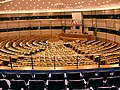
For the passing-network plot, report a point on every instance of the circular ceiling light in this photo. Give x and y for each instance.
(59, 5)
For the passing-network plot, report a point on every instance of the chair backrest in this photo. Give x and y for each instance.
(57, 76)
(113, 81)
(25, 76)
(56, 84)
(89, 74)
(10, 76)
(95, 83)
(4, 84)
(104, 74)
(41, 76)
(18, 84)
(116, 73)
(37, 84)
(76, 84)
(73, 76)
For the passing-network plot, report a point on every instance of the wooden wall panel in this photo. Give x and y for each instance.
(117, 38)
(46, 22)
(101, 23)
(12, 24)
(35, 23)
(101, 35)
(3, 25)
(117, 24)
(24, 23)
(87, 22)
(57, 22)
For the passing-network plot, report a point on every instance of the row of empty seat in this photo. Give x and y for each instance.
(108, 51)
(85, 80)
(20, 49)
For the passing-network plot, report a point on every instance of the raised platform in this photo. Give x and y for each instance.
(67, 37)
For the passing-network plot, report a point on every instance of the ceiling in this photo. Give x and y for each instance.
(56, 5)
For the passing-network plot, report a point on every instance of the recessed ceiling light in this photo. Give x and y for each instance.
(26, 2)
(18, 2)
(52, 4)
(88, 3)
(75, 3)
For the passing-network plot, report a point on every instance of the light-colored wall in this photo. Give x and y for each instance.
(34, 23)
(108, 36)
(113, 24)
(31, 32)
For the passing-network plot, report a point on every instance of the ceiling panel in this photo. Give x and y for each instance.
(58, 5)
